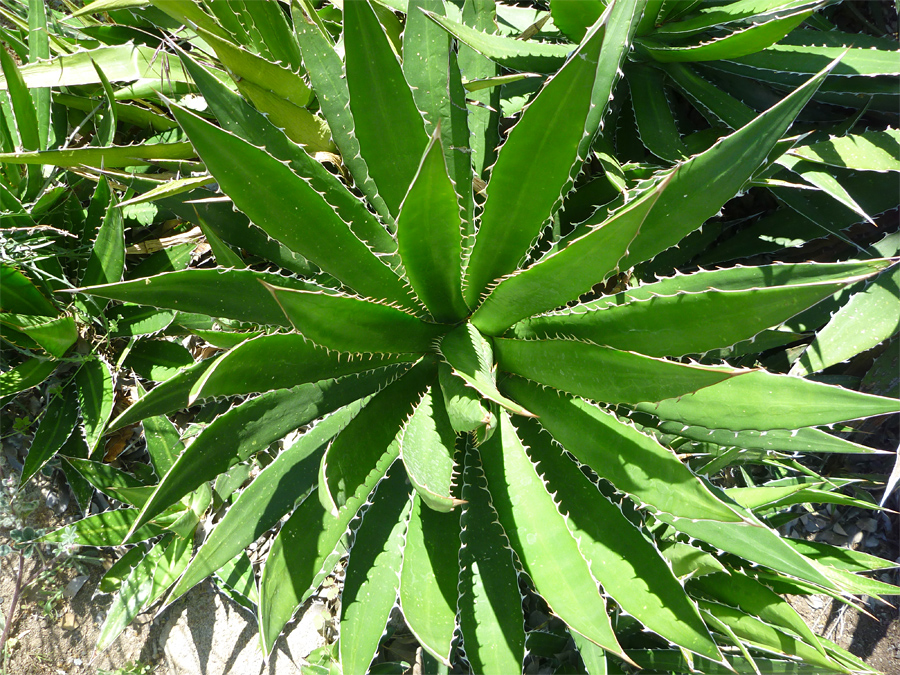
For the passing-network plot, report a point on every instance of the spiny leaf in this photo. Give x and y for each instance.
(262, 27)
(428, 581)
(757, 600)
(109, 157)
(627, 565)
(24, 122)
(120, 63)
(56, 425)
(53, 334)
(133, 595)
(817, 176)
(372, 578)
(326, 72)
(761, 400)
(429, 237)
(490, 605)
(372, 434)
(653, 115)
(737, 13)
(602, 373)
(109, 528)
(20, 295)
(110, 480)
(701, 186)
(432, 70)
(274, 197)
(655, 326)
(304, 551)
(739, 43)
(598, 439)
(246, 65)
(277, 92)
(163, 443)
(807, 439)
(280, 487)
(609, 447)
(484, 114)
(279, 361)
(869, 317)
(107, 261)
(524, 55)
(644, 227)
(566, 274)
(94, 383)
(465, 407)
(251, 427)
(574, 18)
(238, 116)
(548, 551)
(741, 278)
(552, 129)
(232, 294)
(166, 397)
(868, 151)
(760, 634)
(840, 557)
(800, 54)
(427, 446)
(136, 320)
(39, 49)
(354, 325)
(388, 125)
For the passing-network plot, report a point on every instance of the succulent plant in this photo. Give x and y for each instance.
(487, 403)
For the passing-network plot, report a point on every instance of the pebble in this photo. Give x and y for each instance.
(72, 588)
(867, 524)
(813, 524)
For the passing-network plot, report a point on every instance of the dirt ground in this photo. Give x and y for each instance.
(58, 619)
(63, 641)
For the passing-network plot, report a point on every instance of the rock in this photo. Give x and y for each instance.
(208, 633)
(68, 621)
(814, 523)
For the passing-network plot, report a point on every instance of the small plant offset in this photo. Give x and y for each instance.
(490, 400)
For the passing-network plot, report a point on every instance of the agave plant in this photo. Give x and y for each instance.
(478, 395)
